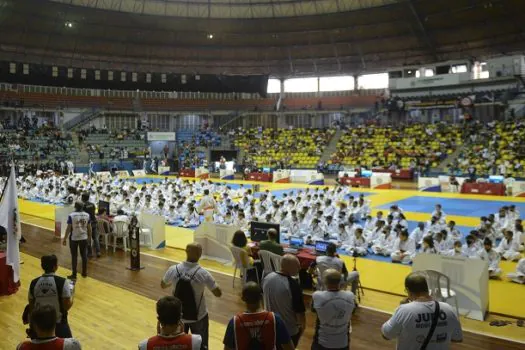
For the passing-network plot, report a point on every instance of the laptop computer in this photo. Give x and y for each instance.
(296, 242)
(320, 247)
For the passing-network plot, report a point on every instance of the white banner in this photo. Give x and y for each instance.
(428, 184)
(161, 136)
(202, 173)
(139, 173)
(381, 180)
(122, 173)
(104, 175)
(281, 176)
(518, 188)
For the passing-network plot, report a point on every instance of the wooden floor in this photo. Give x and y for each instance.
(114, 307)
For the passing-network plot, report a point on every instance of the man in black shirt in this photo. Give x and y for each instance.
(90, 209)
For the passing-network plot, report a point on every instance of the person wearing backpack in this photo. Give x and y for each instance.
(50, 289)
(256, 328)
(421, 323)
(189, 280)
(170, 329)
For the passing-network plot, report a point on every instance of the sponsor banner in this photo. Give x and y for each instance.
(381, 181)
(202, 173)
(428, 184)
(161, 136)
(139, 173)
(281, 176)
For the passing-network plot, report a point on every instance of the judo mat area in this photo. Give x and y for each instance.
(377, 273)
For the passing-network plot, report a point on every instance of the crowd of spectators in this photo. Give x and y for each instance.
(293, 147)
(496, 148)
(396, 147)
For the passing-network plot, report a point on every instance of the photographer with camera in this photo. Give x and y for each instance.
(43, 323)
(420, 322)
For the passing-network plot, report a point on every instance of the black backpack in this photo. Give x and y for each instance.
(256, 342)
(185, 293)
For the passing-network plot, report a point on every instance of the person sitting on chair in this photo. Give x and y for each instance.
(271, 244)
(332, 261)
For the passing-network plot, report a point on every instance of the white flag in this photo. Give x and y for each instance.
(10, 220)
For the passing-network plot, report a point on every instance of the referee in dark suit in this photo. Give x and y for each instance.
(90, 209)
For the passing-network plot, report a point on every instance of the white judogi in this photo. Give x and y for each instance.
(207, 206)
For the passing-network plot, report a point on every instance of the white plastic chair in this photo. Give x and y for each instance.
(120, 231)
(102, 232)
(439, 287)
(271, 261)
(238, 254)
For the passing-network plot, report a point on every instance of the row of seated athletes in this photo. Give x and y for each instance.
(57, 189)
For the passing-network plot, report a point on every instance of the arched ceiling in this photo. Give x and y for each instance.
(358, 36)
(229, 8)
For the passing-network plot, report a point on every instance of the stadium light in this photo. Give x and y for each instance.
(68, 24)
(209, 36)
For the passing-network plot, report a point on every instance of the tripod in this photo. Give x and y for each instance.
(357, 288)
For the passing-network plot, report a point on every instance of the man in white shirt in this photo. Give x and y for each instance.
(199, 278)
(412, 321)
(334, 309)
(78, 232)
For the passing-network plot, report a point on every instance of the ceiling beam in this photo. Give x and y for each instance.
(422, 30)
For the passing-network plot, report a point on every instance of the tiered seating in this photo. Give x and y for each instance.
(500, 143)
(106, 143)
(36, 146)
(299, 148)
(153, 104)
(404, 147)
(329, 102)
(64, 101)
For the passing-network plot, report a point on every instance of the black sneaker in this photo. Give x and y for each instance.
(72, 277)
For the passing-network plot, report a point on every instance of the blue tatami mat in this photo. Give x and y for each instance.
(453, 206)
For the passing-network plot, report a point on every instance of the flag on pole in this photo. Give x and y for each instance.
(10, 220)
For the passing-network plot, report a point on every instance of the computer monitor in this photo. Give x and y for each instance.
(267, 170)
(320, 247)
(259, 230)
(496, 179)
(296, 242)
(105, 205)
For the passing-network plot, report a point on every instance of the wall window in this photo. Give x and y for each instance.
(274, 86)
(341, 83)
(373, 81)
(300, 85)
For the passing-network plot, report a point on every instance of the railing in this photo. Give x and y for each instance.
(66, 91)
(81, 118)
